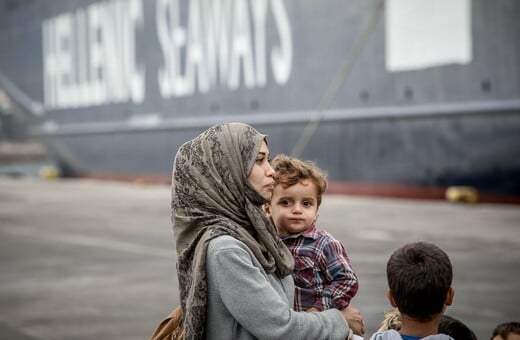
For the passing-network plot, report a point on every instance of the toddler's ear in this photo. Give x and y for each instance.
(267, 210)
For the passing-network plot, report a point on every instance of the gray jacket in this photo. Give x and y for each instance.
(244, 302)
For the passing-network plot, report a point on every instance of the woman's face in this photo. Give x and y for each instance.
(261, 175)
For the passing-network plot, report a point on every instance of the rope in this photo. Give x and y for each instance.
(338, 81)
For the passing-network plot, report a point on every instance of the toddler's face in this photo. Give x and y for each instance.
(293, 209)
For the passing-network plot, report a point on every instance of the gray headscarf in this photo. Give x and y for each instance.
(212, 196)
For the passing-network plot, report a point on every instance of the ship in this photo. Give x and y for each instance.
(396, 97)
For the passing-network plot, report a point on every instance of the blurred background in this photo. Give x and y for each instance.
(410, 99)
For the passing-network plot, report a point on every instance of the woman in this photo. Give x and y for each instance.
(234, 271)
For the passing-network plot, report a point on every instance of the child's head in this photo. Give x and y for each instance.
(455, 328)
(299, 187)
(507, 331)
(419, 280)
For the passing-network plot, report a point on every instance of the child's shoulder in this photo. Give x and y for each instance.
(326, 240)
(323, 233)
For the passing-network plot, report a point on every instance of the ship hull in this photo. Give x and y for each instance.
(326, 82)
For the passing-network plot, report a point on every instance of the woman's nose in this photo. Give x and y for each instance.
(269, 171)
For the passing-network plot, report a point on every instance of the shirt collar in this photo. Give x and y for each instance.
(312, 233)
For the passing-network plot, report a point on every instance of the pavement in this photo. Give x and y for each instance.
(84, 259)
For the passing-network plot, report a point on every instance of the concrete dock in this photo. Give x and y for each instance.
(95, 260)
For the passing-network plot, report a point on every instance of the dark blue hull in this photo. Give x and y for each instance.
(113, 88)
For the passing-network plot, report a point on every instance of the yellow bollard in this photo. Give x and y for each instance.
(462, 194)
(49, 173)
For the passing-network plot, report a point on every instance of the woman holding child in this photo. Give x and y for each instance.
(234, 271)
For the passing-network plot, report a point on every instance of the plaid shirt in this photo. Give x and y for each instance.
(323, 275)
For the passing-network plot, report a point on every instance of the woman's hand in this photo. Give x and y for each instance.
(313, 309)
(354, 319)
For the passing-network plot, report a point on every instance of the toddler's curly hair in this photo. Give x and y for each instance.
(289, 171)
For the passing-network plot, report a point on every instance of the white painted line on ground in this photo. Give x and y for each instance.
(94, 242)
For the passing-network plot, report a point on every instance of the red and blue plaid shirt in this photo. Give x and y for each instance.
(323, 275)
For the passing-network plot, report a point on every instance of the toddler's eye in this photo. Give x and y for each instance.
(307, 204)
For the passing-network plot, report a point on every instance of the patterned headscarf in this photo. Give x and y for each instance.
(212, 196)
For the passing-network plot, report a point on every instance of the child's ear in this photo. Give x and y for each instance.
(391, 298)
(449, 296)
(267, 210)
